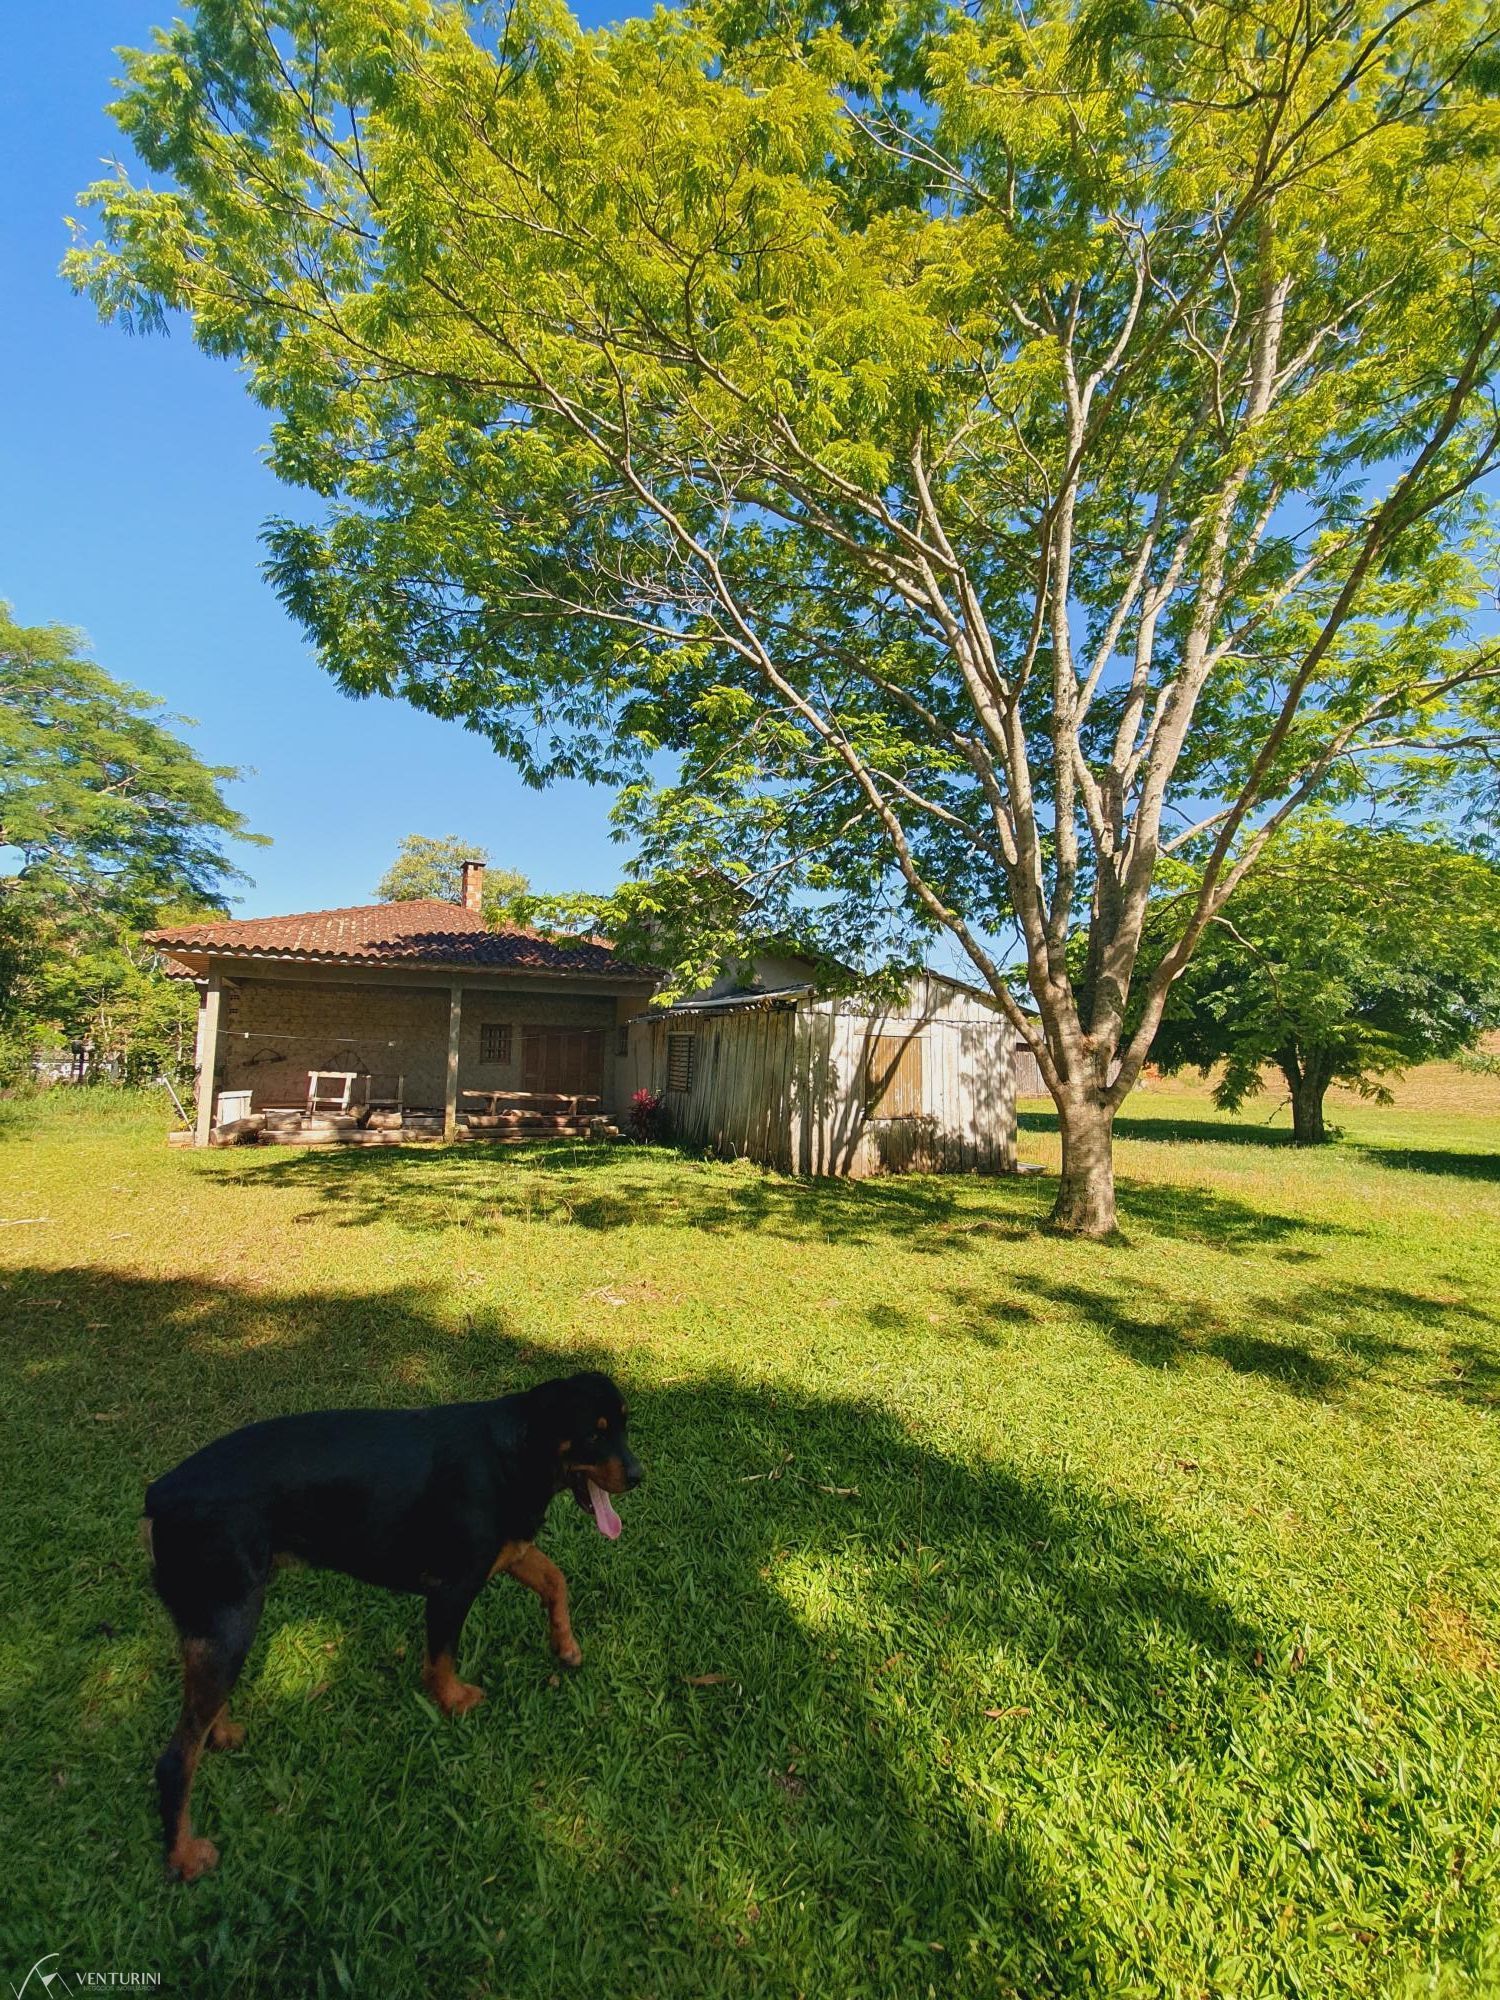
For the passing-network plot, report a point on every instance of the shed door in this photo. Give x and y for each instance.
(568, 1061)
(893, 1077)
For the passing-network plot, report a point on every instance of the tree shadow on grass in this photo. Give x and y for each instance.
(1321, 1341)
(1199, 1215)
(607, 1188)
(1181, 1130)
(775, 1771)
(1434, 1160)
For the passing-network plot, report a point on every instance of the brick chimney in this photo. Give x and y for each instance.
(474, 885)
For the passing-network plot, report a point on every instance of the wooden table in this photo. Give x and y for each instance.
(497, 1102)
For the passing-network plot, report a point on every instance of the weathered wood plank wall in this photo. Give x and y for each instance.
(788, 1085)
(739, 1100)
(1028, 1074)
(968, 1122)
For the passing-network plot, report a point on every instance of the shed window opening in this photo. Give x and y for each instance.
(494, 1042)
(681, 1061)
(893, 1077)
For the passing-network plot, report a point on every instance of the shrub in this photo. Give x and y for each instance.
(647, 1117)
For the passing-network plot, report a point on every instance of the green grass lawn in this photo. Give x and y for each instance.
(1001, 1615)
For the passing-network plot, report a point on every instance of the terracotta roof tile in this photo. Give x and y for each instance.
(417, 933)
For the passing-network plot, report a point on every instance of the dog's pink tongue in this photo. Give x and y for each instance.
(604, 1514)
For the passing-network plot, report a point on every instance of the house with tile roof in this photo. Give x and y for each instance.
(396, 1020)
(399, 1021)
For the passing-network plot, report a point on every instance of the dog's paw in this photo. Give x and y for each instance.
(459, 1697)
(191, 1858)
(226, 1736)
(570, 1656)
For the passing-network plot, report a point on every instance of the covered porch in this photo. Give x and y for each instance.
(357, 1059)
(384, 1047)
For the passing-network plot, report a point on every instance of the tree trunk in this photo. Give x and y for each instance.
(1307, 1110)
(1307, 1079)
(1085, 1204)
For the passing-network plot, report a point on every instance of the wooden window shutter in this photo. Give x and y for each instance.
(893, 1077)
(681, 1050)
(494, 1042)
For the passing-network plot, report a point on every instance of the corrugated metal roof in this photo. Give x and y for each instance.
(744, 1002)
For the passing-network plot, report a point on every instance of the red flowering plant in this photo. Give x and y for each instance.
(647, 1116)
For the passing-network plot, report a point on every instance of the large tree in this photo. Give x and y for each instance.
(1346, 956)
(990, 449)
(112, 823)
(427, 865)
(106, 810)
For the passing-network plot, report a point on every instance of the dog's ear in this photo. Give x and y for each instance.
(557, 1412)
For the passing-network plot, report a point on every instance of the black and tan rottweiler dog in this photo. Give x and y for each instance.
(435, 1501)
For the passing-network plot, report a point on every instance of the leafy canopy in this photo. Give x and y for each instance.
(426, 867)
(113, 824)
(106, 809)
(940, 460)
(1348, 955)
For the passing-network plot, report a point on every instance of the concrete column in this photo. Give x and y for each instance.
(206, 1059)
(450, 1097)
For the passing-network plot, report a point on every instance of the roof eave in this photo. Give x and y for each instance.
(190, 955)
(728, 1003)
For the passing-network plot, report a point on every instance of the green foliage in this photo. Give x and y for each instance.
(938, 459)
(427, 867)
(98, 985)
(110, 813)
(1347, 956)
(116, 824)
(1478, 767)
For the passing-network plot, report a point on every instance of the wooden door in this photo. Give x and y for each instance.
(564, 1062)
(893, 1077)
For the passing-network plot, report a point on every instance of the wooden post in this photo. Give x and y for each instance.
(450, 1097)
(206, 1059)
(801, 1114)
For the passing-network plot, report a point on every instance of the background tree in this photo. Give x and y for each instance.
(113, 824)
(106, 809)
(98, 987)
(989, 450)
(426, 867)
(1346, 956)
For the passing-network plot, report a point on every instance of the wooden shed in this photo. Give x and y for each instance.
(834, 1084)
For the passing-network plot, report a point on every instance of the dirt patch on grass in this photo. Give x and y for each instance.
(632, 1292)
(1451, 1639)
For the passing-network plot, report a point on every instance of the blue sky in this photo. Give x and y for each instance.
(131, 496)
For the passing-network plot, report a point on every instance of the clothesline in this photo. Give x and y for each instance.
(338, 1041)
